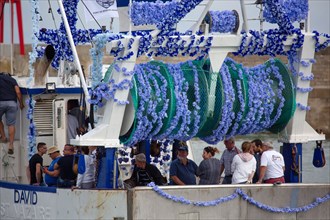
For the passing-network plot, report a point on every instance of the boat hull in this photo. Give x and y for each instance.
(19, 201)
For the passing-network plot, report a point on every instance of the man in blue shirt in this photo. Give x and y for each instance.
(183, 170)
(51, 175)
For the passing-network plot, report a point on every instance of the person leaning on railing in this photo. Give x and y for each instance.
(271, 165)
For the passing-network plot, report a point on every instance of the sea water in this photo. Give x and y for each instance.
(310, 174)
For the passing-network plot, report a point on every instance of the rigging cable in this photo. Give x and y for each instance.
(89, 35)
(91, 14)
(50, 10)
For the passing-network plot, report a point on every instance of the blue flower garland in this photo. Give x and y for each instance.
(35, 27)
(296, 10)
(268, 208)
(163, 161)
(227, 115)
(161, 98)
(239, 192)
(32, 129)
(303, 107)
(182, 114)
(183, 8)
(274, 46)
(58, 38)
(149, 13)
(96, 53)
(318, 45)
(276, 10)
(223, 21)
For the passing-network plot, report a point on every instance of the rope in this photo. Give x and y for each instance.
(91, 14)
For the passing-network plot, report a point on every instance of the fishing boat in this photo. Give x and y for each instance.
(210, 96)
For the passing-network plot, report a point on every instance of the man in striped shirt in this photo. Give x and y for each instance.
(227, 158)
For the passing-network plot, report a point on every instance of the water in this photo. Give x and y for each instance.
(310, 174)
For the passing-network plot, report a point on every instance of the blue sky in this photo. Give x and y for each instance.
(319, 11)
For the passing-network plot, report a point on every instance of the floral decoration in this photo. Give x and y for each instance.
(184, 7)
(35, 27)
(58, 38)
(223, 21)
(32, 128)
(320, 46)
(275, 11)
(151, 13)
(239, 193)
(303, 107)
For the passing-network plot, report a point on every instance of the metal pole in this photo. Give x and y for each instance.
(74, 51)
(115, 169)
(261, 17)
(130, 19)
(300, 170)
(308, 22)
(12, 37)
(245, 25)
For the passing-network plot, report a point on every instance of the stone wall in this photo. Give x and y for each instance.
(319, 99)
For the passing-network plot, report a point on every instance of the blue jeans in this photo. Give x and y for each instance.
(65, 183)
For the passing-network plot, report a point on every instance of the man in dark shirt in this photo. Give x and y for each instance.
(9, 93)
(145, 173)
(257, 151)
(67, 177)
(35, 166)
(183, 170)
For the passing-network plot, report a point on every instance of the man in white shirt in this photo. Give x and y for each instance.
(271, 165)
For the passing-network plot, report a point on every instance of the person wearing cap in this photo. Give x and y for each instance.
(51, 175)
(227, 159)
(145, 173)
(183, 170)
(271, 165)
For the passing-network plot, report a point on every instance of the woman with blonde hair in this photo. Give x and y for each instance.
(243, 165)
(209, 169)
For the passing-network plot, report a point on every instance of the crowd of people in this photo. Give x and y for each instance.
(75, 169)
(255, 162)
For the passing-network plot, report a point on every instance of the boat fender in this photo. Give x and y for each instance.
(319, 157)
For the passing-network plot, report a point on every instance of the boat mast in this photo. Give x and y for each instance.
(74, 51)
